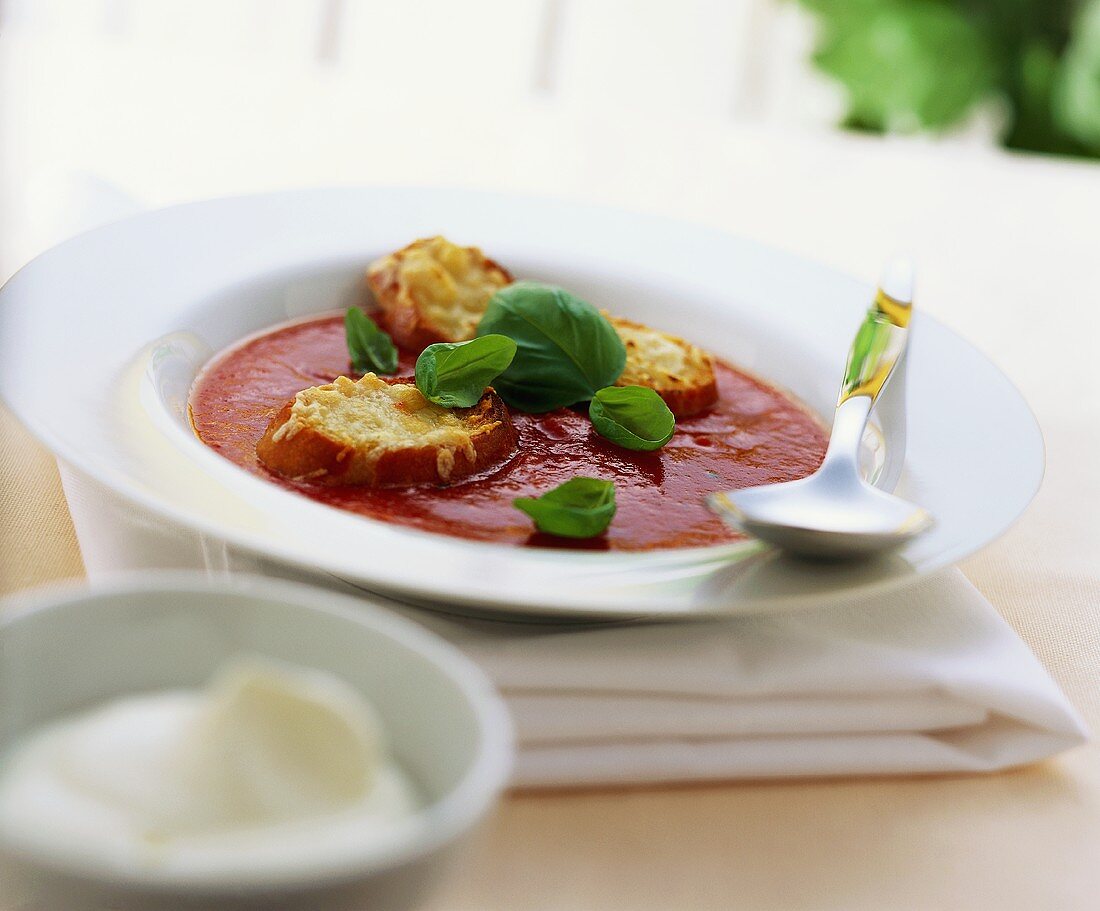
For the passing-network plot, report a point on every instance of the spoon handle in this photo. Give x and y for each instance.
(882, 337)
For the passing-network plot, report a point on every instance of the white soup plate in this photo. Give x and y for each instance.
(103, 336)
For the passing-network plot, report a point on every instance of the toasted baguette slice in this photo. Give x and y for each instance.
(377, 434)
(677, 371)
(434, 291)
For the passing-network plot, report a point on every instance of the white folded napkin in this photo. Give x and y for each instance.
(929, 679)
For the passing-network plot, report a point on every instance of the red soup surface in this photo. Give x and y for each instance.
(755, 434)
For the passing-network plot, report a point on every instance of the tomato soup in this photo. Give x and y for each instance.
(755, 434)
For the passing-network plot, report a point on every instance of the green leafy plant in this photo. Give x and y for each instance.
(911, 65)
(565, 349)
(369, 347)
(579, 508)
(634, 417)
(455, 375)
(1076, 99)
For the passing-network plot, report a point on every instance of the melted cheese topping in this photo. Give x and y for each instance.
(659, 360)
(376, 417)
(449, 285)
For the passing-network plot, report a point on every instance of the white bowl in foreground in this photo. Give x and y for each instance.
(62, 653)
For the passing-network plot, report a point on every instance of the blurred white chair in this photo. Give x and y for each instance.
(175, 99)
(722, 59)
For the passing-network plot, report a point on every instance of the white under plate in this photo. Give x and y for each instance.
(102, 336)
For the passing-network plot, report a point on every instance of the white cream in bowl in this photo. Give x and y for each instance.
(268, 764)
(146, 766)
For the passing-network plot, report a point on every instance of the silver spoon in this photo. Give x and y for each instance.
(834, 512)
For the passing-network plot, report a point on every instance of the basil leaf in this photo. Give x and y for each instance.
(579, 508)
(634, 417)
(369, 347)
(455, 374)
(566, 349)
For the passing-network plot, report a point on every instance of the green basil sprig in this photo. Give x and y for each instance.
(455, 375)
(370, 348)
(566, 349)
(579, 508)
(634, 417)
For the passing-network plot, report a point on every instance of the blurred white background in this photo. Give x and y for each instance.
(166, 100)
(702, 109)
(170, 99)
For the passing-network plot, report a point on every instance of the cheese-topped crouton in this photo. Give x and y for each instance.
(434, 291)
(377, 434)
(676, 370)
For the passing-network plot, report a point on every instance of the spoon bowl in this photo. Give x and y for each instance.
(815, 518)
